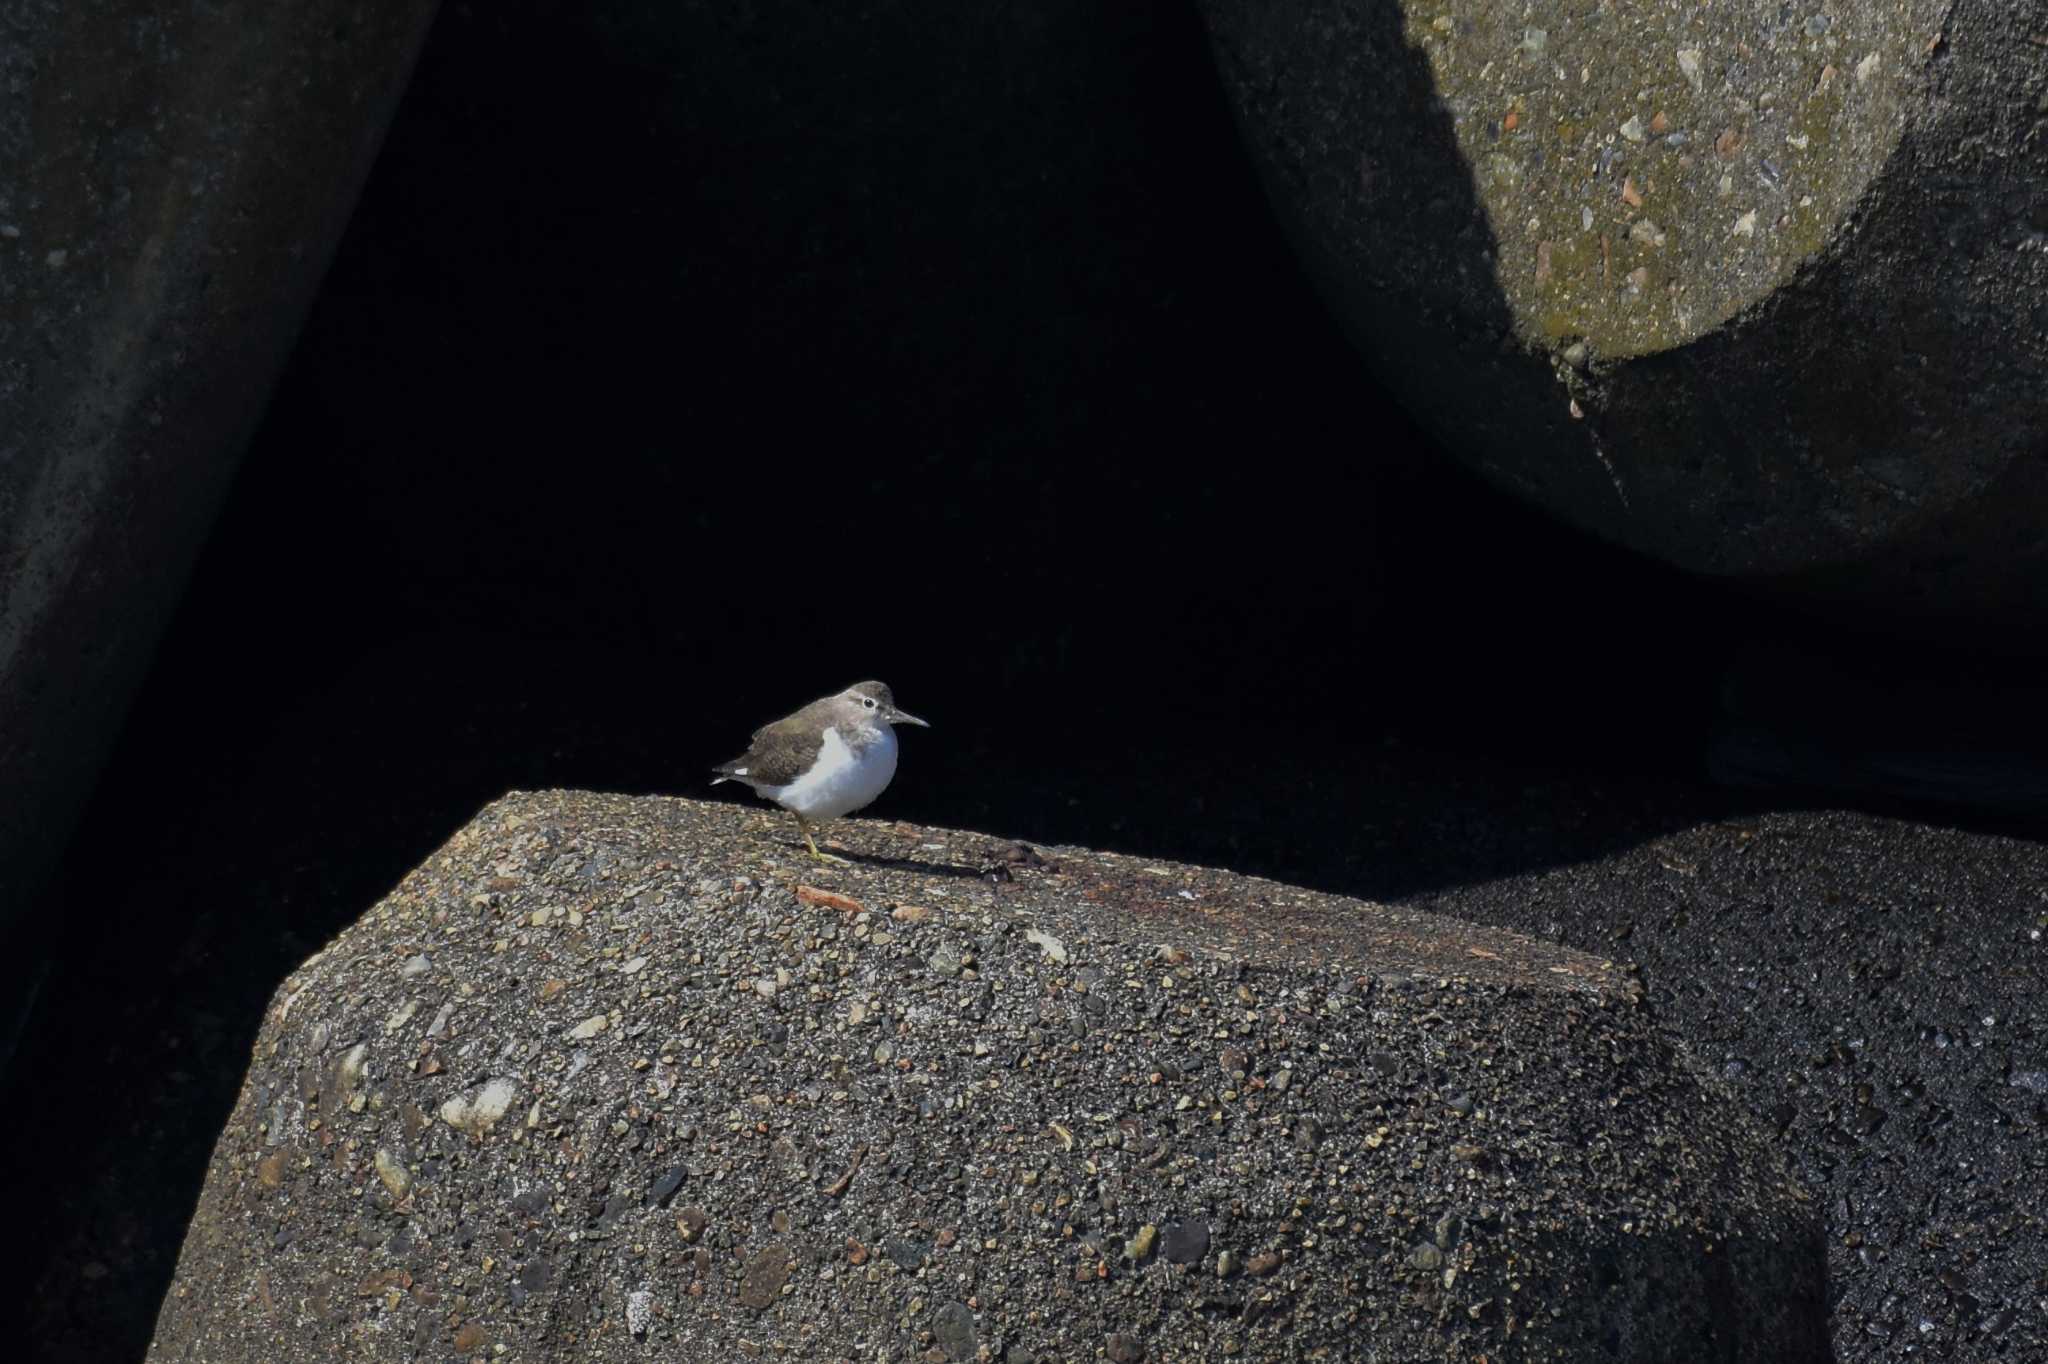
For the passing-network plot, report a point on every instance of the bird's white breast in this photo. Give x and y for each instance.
(841, 780)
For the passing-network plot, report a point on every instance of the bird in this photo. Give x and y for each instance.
(829, 759)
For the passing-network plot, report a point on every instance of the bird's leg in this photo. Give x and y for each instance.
(805, 826)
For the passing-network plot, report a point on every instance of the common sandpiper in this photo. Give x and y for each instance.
(829, 759)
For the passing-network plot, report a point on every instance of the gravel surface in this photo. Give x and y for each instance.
(611, 1078)
(1872, 988)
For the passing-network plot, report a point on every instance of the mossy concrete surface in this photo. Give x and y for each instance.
(1649, 171)
(610, 1078)
(1756, 289)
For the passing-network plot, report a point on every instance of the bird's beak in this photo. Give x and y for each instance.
(904, 717)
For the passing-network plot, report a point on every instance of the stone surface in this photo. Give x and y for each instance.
(1874, 989)
(1002, 1134)
(175, 181)
(1753, 289)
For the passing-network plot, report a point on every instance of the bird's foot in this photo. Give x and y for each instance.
(804, 826)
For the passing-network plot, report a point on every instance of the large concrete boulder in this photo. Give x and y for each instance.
(1760, 290)
(612, 1078)
(173, 180)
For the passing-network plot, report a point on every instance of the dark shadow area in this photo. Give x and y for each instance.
(1667, 1296)
(844, 855)
(682, 366)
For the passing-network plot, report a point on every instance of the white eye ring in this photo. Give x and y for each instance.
(868, 701)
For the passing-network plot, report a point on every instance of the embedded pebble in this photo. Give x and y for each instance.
(1186, 1242)
(765, 1275)
(396, 1178)
(953, 1324)
(350, 1070)
(1139, 1247)
(909, 1255)
(665, 1186)
(479, 1110)
(1689, 67)
(1124, 1348)
(1052, 947)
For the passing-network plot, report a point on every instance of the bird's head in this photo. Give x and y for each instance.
(874, 703)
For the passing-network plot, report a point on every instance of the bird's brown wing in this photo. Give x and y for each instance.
(781, 752)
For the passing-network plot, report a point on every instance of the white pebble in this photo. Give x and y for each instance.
(1689, 66)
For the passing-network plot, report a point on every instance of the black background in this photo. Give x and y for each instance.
(678, 368)
(683, 363)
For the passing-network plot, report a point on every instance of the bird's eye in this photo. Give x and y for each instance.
(868, 701)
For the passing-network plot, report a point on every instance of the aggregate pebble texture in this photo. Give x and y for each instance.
(1753, 288)
(1875, 990)
(615, 1078)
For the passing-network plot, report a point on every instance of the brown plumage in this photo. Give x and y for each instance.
(784, 750)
